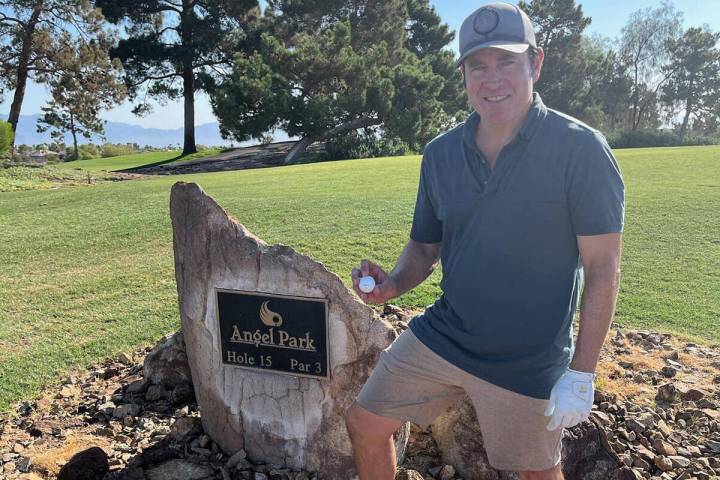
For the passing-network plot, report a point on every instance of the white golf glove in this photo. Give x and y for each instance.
(571, 399)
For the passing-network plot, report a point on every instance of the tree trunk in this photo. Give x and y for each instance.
(305, 142)
(688, 110)
(73, 130)
(23, 68)
(189, 95)
(188, 80)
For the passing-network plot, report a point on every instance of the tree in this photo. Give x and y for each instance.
(323, 69)
(29, 30)
(174, 48)
(564, 83)
(694, 82)
(7, 136)
(644, 46)
(84, 84)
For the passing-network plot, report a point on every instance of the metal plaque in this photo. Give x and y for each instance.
(269, 332)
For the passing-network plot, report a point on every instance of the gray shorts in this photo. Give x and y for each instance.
(413, 383)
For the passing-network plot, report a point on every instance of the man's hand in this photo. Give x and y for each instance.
(571, 399)
(384, 287)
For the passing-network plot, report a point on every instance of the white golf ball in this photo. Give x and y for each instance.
(367, 284)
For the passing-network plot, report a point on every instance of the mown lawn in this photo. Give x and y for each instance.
(88, 272)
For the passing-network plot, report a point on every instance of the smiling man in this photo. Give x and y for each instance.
(516, 203)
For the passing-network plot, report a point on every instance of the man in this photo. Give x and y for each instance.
(514, 202)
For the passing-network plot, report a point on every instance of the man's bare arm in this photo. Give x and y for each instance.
(600, 255)
(416, 262)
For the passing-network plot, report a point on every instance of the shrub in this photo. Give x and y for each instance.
(6, 137)
(364, 145)
(658, 138)
(117, 149)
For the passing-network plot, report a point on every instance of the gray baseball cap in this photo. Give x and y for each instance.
(496, 25)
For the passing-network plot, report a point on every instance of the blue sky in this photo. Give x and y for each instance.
(608, 18)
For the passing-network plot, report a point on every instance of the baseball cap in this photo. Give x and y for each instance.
(496, 25)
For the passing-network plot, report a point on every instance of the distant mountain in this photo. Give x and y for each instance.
(117, 132)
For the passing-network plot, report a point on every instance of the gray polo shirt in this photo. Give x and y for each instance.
(511, 269)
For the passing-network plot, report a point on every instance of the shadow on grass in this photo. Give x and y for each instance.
(155, 164)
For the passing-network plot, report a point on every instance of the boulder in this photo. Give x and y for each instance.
(167, 363)
(280, 419)
(89, 464)
(586, 453)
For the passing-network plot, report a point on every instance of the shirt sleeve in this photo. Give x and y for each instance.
(426, 227)
(595, 190)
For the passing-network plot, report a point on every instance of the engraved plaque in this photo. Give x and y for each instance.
(277, 333)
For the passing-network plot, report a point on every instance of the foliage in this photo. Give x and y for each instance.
(366, 143)
(325, 68)
(85, 83)
(644, 47)
(659, 138)
(172, 49)
(694, 84)
(32, 37)
(564, 82)
(117, 149)
(6, 137)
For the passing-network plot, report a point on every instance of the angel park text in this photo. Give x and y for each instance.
(272, 339)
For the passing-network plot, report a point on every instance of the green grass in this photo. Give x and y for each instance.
(17, 178)
(124, 162)
(88, 272)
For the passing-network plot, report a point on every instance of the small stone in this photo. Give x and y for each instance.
(692, 395)
(24, 464)
(663, 427)
(125, 359)
(124, 410)
(645, 453)
(663, 463)
(663, 448)
(668, 393)
(693, 450)
(641, 463)
(138, 386)
(155, 392)
(679, 462)
(235, 459)
(447, 473)
(713, 445)
(634, 425)
(407, 474)
(602, 417)
(184, 426)
(668, 371)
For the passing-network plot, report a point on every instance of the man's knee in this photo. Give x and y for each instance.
(363, 423)
(554, 473)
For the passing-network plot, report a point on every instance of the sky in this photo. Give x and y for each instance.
(608, 18)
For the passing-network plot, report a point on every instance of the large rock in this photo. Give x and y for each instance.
(89, 464)
(457, 433)
(167, 363)
(282, 420)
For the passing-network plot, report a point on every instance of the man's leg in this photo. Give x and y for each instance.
(552, 474)
(373, 445)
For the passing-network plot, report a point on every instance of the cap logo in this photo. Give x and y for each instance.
(486, 21)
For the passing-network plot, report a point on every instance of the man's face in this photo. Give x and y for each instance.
(500, 83)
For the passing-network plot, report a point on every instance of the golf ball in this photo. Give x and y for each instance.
(367, 284)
